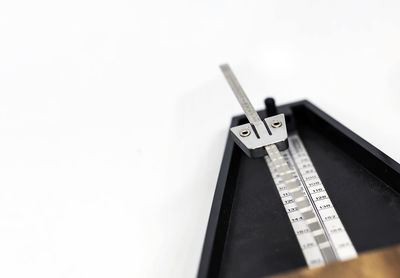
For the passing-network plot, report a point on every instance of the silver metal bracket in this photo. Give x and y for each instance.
(253, 138)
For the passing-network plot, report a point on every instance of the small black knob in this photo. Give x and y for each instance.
(270, 107)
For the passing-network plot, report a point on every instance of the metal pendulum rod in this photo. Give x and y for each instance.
(280, 165)
(303, 205)
(241, 96)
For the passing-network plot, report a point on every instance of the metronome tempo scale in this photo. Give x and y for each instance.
(298, 190)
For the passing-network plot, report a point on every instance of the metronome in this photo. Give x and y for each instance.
(300, 195)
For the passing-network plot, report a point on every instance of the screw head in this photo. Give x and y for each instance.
(244, 132)
(276, 124)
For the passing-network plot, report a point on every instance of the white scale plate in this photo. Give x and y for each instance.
(302, 167)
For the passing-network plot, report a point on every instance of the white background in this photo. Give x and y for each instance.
(114, 116)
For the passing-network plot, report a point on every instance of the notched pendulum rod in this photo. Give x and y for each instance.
(269, 137)
(302, 203)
